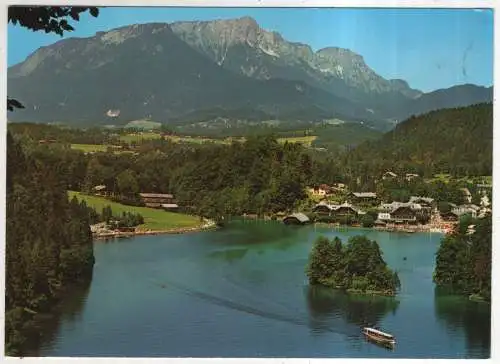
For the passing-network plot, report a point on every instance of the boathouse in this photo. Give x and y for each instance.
(296, 219)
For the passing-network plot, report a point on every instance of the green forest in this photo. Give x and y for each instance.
(261, 175)
(257, 176)
(48, 243)
(458, 141)
(356, 267)
(463, 261)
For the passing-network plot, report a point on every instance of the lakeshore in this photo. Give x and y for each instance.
(104, 234)
(251, 275)
(441, 229)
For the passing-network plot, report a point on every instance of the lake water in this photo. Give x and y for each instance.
(242, 292)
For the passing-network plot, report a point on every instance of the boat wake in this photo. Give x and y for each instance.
(349, 330)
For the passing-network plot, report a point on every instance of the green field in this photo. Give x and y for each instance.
(89, 148)
(304, 140)
(154, 219)
(139, 137)
(143, 124)
(94, 148)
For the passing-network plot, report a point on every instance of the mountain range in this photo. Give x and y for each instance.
(229, 68)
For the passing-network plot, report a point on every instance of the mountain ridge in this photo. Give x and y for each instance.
(329, 82)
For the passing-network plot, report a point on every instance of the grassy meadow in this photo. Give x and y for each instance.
(304, 140)
(154, 219)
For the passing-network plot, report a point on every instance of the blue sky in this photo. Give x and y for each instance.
(429, 48)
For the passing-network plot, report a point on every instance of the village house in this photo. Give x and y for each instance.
(320, 191)
(296, 219)
(471, 229)
(485, 201)
(400, 212)
(404, 215)
(466, 209)
(323, 208)
(410, 176)
(346, 209)
(484, 207)
(484, 188)
(158, 200)
(100, 190)
(389, 175)
(427, 203)
(363, 197)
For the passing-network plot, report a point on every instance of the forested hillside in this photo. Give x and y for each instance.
(463, 261)
(258, 175)
(457, 141)
(48, 243)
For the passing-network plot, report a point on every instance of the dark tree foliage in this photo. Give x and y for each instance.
(126, 219)
(13, 104)
(463, 261)
(258, 176)
(48, 242)
(458, 141)
(37, 133)
(358, 266)
(50, 19)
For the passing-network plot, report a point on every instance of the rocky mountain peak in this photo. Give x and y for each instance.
(340, 55)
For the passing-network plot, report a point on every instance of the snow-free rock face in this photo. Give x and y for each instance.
(242, 46)
(147, 71)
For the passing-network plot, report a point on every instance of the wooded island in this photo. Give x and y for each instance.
(357, 267)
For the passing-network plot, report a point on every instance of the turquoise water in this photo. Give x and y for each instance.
(242, 292)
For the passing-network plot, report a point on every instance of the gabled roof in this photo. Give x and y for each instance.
(365, 194)
(169, 206)
(299, 216)
(393, 206)
(156, 195)
(336, 207)
(390, 173)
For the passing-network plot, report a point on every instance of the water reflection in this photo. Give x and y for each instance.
(253, 232)
(458, 313)
(45, 328)
(326, 306)
(229, 255)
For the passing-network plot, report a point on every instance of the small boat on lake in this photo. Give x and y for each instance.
(379, 337)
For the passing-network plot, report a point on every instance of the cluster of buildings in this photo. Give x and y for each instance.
(164, 201)
(407, 176)
(159, 200)
(418, 209)
(325, 190)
